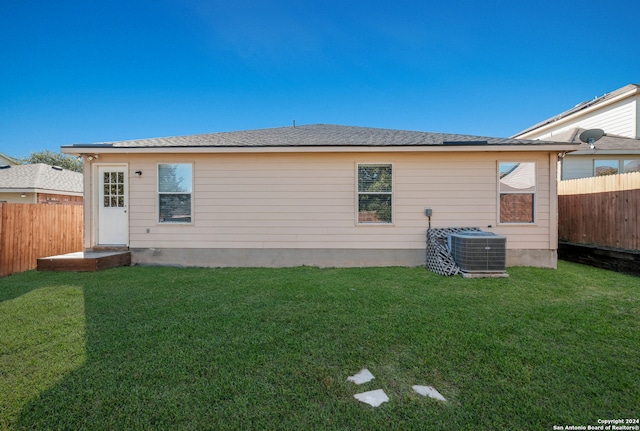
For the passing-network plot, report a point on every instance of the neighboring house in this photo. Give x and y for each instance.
(40, 183)
(617, 114)
(319, 195)
(6, 160)
(608, 155)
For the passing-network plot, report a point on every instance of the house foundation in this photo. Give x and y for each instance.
(332, 258)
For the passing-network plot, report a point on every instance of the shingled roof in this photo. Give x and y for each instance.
(317, 135)
(39, 177)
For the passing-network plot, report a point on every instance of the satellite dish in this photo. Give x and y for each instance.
(592, 135)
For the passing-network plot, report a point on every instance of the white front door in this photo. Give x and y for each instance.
(113, 219)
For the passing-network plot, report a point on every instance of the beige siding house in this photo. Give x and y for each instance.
(318, 195)
(616, 113)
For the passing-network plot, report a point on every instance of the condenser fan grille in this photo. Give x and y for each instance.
(478, 251)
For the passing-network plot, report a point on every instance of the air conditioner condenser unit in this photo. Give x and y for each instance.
(477, 251)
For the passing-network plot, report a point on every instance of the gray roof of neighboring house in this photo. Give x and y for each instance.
(607, 144)
(40, 177)
(581, 106)
(317, 135)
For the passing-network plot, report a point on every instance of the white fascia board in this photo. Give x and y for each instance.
(57, 192)
(18, 190)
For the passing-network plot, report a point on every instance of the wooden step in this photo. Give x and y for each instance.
(85, 261)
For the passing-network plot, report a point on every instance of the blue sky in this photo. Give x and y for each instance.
(88, 71)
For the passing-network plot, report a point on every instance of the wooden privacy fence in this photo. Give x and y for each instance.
(31, 231)
(600, 211)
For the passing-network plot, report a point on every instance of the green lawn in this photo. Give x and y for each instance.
(170, 348)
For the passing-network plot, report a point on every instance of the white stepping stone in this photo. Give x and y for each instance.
(373, 398)
(429, 391)
(363, 376)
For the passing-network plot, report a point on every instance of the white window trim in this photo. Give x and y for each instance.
(534, 193)
(392, 193)
(158, 193)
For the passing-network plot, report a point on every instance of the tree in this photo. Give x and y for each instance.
(48, 157)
